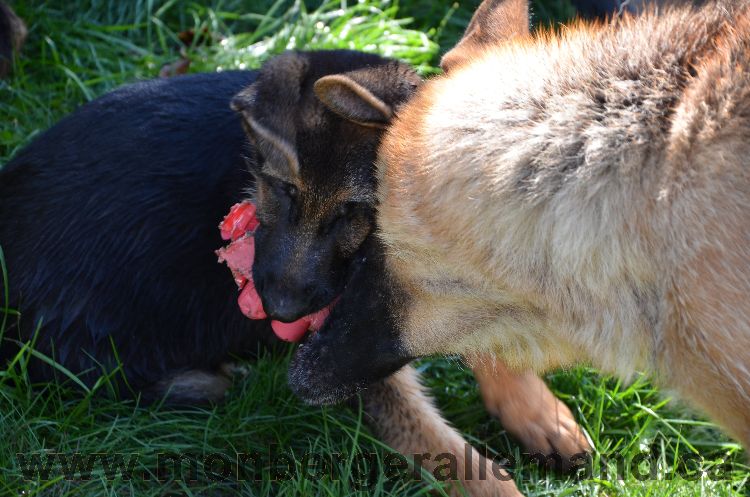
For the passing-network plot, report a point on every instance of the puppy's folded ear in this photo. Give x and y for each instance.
(279, 77)
(494, 22)
(268, 108)
(369, 96)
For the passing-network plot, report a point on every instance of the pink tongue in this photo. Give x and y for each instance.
(239, 256)
(294, 331)
(290, 332)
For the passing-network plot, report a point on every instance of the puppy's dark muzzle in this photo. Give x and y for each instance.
(287, 305)
(328, 369)
(284, 308)
(360, 341)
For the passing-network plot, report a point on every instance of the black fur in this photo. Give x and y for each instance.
(328, 368)
(109, 222)
(311, 231)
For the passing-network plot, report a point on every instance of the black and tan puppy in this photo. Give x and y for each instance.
(109, 224)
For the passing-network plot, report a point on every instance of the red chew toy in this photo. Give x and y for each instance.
(239, 255)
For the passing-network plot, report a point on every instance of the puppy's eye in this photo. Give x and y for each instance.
(281, 188)
(342, 212)
(347, 214)
(290, 190)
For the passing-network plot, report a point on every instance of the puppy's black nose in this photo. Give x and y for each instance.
(284, 308)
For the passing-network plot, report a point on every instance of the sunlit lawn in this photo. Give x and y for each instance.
(79, 49)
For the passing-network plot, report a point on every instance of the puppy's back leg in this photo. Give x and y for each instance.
(406, 419)
(191, 387)
(530, 412)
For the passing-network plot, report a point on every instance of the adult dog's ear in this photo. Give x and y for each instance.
(369, 96)
(494, 22)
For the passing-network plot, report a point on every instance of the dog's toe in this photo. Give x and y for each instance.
(530, 412)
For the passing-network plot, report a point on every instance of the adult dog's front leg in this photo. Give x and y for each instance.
(406, 419)
(530, 411)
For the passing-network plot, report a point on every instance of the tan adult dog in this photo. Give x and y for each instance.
(581, 196)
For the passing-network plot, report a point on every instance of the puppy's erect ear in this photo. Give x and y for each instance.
(369, 96)
(494, 22)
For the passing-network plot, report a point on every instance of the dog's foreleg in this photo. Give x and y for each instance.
(406, 419)
(530, 412)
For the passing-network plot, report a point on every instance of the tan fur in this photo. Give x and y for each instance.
(284, 163)
(405, 418)
(529, 411)
(194, 385)
(399, 410)
(287, 151)
(12, 37)
(278, 145)
(332, 91)
(489, 25)
(17, 28)
(584, 197)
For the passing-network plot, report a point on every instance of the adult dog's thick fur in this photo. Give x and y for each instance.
(582, 196)
(109, 222)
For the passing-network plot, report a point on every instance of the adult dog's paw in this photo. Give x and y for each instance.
(530, 412)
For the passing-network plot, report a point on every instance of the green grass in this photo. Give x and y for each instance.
(79, 49)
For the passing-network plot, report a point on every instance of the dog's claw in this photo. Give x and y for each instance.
(530, 412)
